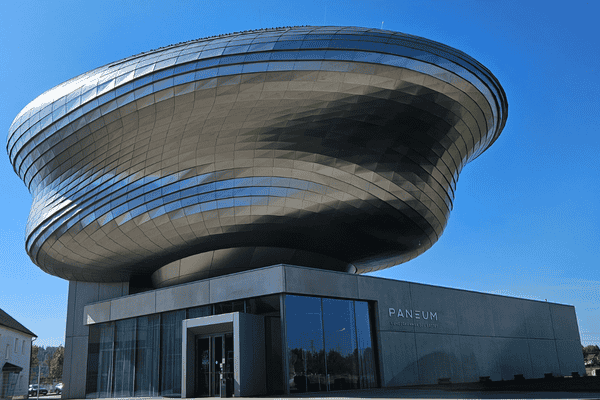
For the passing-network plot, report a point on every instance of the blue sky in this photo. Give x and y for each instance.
(526, 217)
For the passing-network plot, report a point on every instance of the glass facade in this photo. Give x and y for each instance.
(170, 347)
(329, 347)
(141, 357)
(100, 360)
(148, 356)
(329, 344)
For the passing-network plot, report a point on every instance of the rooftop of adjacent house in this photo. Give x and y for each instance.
(9, 322)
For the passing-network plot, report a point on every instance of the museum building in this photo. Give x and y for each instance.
(215, 203)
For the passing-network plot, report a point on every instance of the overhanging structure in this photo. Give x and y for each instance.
(334, 148)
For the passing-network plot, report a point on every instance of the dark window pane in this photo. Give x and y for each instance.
(340, 344)
(229, 306)
(124, 358)
(202, 311)
(366, 352)
(147, 356)
(237, 305)
(306, 353)
(223, 308)
(275, 379)
(267, 305)
(170, 346)
(92, 362)
(100, 361)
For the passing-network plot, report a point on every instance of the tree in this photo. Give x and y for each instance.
(56, 364)
(591, 349)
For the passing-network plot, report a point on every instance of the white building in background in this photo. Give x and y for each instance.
(15, 355)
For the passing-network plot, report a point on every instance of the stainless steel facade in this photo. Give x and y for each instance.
(328, 147)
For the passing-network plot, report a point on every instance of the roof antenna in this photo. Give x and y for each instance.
(381, 24)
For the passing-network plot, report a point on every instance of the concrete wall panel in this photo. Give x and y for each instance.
(251, 338)
(108, 291)
(570, 357)
(247, 284)
(439, 356)
(480, 357)
(388, 294)
(538, 320)
(96, 313)
(188, 358)
(399, 355)
(514, 358)
(78, 368)
(508, 317)
(71, 309)
(564, 322)
(474, 314)
(320, 283)
(544, 359)
(66, 394)
(133, 306)
(439, 301)
(184, 296)
(85, 293)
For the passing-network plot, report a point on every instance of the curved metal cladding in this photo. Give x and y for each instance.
(328, 147)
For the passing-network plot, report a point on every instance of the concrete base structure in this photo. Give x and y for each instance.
(420, 333)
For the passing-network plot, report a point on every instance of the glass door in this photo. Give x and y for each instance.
(203, 364)
(228, 367)
(214, 355)
(217, 362)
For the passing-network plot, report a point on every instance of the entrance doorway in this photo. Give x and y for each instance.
(214, 356)
(237, 340)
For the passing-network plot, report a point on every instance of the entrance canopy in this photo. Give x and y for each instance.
(8, 367)
(248, 351)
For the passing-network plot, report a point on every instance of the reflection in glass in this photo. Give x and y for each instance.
(100, 361)
(147, 356)
(340, 344)
(202, 311)
(92, 361)
(329, 344)
(266, 305)
(229, 306)
(105, 362)
(202, 381)
(305, 348)
(124, 358)
(170, 345)
(366, 352)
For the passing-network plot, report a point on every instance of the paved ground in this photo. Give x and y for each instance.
(416, 394)
(422, 392)
(408, 393)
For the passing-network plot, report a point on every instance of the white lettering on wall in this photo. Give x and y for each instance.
(418, 314)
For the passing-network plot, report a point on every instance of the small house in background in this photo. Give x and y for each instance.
(15, 355)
